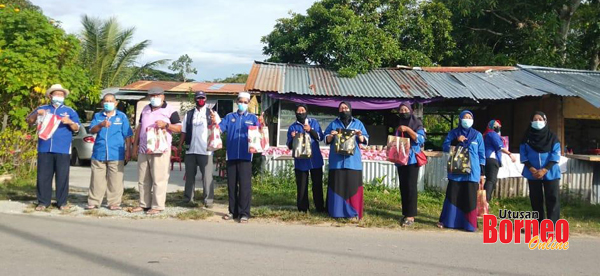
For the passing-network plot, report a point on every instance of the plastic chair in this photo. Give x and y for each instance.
(175, 157)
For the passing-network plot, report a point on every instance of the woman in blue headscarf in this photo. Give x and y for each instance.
(460, 205)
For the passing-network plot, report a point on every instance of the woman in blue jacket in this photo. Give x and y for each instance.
(460, 205)
(411, 127)
(312, 165)
(540, 153)
(345, 186)
(494, 147)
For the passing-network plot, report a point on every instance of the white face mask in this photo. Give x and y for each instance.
(57, 100)
(466, 123)
(156, 101)
(538, 124)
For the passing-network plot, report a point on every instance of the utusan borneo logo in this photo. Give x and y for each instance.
(509, 225)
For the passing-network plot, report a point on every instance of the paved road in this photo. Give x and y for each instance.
(32, 244)
(80, 177)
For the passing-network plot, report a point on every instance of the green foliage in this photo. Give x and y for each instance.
(234, 78)
(17, 152)
(35, 53)
(108, 54)
(156, 75)
(356, 36)
(183, 67)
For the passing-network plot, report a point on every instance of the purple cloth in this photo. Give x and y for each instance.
(356, 102)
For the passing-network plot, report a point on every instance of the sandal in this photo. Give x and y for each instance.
(137, 209)
(40, 208)
(114, 208)
(228, 217)
(154, 212)
(440, 225)
(64, 208)
(90, 207)
(244, 220)
(407, 222)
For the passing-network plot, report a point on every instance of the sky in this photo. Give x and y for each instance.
(221, 36)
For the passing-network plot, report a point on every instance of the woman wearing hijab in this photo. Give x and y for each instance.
(459, 211)
(494, 147)
(313, 165)
(345, 191)
(410, 127)
(540, 153)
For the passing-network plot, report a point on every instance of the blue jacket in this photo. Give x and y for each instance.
(353, 162)
(316, 160)
(236, 125)
(110, 142)
(415, 147)
(493, 143)
(539, 160)
(476, 153)
(60, 142)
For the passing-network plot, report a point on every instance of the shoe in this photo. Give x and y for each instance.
(407, 222)
(244, 220)
(208, 205)
(228, 217)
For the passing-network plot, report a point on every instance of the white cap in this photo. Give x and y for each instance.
(245, 95)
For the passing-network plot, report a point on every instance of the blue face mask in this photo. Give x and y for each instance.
(466, 123)
(538, 124)
(57, 100)
(156, 101)
(108, 107)
(242, 107)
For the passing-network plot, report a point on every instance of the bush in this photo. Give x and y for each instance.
(18, 152)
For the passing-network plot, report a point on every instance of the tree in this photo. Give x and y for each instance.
(157, 75)
(34, 54)
(585, 36)
(234, 78)
(22, 5)
(356, 36)
(183, 67)
(107, 53)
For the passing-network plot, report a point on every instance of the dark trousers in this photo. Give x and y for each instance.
(239, 184)
(316, 176)
(408, 175)
(205, 163)
(544, 191)
(491, 177)
(53, 166)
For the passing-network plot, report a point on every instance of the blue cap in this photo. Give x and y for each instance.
(199, 94)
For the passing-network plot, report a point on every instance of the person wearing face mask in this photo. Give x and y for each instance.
(154, 169)
(345, 186)
(112, 148)
(410, 127)
(54, 154)
(540, 153)
(459, 210)
(239, 160)
(312, 166)
(195, 136)
(494, 147)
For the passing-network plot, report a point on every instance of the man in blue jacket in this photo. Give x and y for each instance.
(54, 153)
(111, 148)
(239, 160)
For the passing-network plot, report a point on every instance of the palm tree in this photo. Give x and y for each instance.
(107, 54)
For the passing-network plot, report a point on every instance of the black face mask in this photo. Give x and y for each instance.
(497, 129)
(301, 117)
(345, 115)
(404, 116)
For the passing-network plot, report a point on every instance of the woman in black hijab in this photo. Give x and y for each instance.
(540, 153)
(410, 127)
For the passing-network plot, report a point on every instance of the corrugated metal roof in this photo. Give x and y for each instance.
(172, 86)
(477, 83)
(583, 83)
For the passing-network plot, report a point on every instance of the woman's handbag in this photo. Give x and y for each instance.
(345, 142)
(398, 149)
(301, 146)
(459, 161)
(421, 158)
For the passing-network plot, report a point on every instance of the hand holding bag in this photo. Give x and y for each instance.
(301, 147)
(254, 140)
(214, 138)
(398, 149)
(482, 204)
(47, 125)
(156, 141)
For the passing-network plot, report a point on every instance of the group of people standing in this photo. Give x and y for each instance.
(116, 143)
